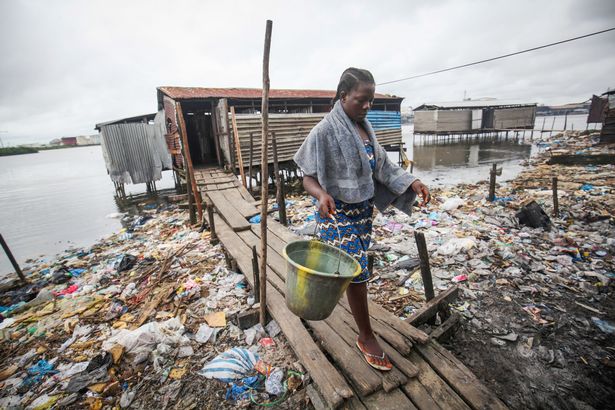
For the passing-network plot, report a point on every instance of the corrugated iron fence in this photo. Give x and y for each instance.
(135, 153)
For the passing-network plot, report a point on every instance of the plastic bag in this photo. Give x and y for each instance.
(273, 384)
(140, 342)
(454, 245)
(233, 364)
(452, 203)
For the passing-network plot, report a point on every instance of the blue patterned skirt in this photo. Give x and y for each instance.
(355, 225)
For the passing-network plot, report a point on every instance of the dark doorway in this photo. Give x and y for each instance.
(200, 138)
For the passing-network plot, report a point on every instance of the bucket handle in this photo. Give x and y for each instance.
(339, 236)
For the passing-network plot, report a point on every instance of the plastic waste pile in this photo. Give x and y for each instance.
(130, 320)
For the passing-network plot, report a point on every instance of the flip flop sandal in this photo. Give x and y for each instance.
(372, 359)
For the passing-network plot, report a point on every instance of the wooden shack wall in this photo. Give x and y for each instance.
(514, 118)
(290, 131)
(425, 121)
(453, 121)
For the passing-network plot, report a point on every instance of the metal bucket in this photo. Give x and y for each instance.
(317, 276)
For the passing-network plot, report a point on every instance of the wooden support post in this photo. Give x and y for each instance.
(213, 238)
(251, 160)
(555, 199)
(12, 259)
(279, 184)
(264, 183)
(238, 147)
(370, 263)
(492, 175)
(552, 126)
(188, 159)
(425, 269)
(255, 275)
(190, 199)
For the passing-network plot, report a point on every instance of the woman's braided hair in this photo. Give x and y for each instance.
(350, 79)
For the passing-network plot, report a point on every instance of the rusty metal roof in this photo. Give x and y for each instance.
(191, 93)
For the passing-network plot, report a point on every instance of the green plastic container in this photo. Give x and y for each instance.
(314, 284)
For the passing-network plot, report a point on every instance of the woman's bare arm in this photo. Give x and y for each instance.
(326, 202)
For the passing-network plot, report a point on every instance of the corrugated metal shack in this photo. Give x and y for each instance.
(135, 150)
(473, 116)
(607, 134)
(208, 114)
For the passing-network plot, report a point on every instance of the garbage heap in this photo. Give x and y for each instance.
(137, 320)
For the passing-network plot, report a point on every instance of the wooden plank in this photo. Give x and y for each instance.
(245, 194)
(391, 379)
(445, 330)
(432, 384)
(245, 209)
(396, 340)
(459, 377)
(331, 384)
(378, 312)
(228, 212)
(349, 360)
(381, 400)
(430, 308)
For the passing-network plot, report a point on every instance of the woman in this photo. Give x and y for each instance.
(348, 172)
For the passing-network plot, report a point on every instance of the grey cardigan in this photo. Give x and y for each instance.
(334, 154)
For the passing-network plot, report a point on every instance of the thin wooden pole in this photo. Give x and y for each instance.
(251, 159)
(238, 147)
(264, 179)
(12, 259)
(190, 169)
(555, 199)
(255, 275)
(419, 237)
(279, 184)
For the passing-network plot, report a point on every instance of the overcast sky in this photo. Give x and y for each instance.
(66, 65)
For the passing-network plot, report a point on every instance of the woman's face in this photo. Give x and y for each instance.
(358, 101)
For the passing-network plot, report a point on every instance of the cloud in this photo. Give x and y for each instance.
(67, 65)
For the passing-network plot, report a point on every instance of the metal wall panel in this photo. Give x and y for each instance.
(135, 153)
(382, 120)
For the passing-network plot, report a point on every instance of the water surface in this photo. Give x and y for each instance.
(55, 199)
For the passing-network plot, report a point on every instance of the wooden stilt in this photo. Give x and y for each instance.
(492, 174)
(425, 269)
(251, 160)
(555, 199)
(255, 275)
(9, 254)
(213, 239)
(279, 184)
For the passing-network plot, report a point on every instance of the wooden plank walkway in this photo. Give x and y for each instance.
(425, 375)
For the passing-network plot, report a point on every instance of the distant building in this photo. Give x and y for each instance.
(88, 140)
(473, 116)
(55, 141)
(69, 141)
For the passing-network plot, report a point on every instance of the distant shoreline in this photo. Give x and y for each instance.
(19, 150)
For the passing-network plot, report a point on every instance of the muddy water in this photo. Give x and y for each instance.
(55, 199)
(450, 161)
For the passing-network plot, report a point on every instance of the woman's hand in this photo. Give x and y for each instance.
(422, 191)
(326, 205)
